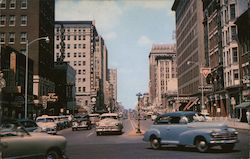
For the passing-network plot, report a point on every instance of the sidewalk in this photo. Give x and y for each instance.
(233, 122)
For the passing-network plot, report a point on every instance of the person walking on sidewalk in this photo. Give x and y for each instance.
(248, 116)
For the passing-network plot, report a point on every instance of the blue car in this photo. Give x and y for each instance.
(187, 128)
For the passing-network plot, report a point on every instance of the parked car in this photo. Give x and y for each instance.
(17, 142)
(81, 121)
(109, 122)
(47, 123)
(29, 125)
(182, 128)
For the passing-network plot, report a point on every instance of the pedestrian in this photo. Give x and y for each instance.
(248, 116)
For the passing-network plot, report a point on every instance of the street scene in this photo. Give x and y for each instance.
(139, 79)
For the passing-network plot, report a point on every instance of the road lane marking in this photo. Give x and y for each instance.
(132, 124)
(90, 134)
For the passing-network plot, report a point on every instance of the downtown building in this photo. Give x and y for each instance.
(23, 22)
(111, 91)
(78, 44)
(163, 76)
(215, 26)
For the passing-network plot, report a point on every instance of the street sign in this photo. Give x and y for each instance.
(205, 71)
(206, 88)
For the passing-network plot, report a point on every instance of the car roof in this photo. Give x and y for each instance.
(179, 113)
(109, 114)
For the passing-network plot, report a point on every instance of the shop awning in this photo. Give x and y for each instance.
(244, 105)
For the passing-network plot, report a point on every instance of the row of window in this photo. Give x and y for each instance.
(81, 89)
(68, 30)
(79, 54)
(13, 4)
(12, 20)
(12, 37)
(80, 37)
(79, 46)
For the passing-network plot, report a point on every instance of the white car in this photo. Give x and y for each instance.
(47, 123)
(109, 122)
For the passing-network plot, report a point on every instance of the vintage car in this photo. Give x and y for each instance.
(81, 121)
(29, 125)
(17, 142)
(109, 122)
(47, 123)
(183, 128)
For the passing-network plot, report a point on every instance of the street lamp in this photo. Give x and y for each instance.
(26, 71)
(202, 85)
(138, 116)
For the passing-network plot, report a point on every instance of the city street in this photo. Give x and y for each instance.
(85, 144)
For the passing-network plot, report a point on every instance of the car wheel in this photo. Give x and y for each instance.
(201, 144)
(155, 143)
(52, 154)
(227, 147)
(98, 133)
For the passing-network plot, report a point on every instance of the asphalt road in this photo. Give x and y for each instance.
(84, 144)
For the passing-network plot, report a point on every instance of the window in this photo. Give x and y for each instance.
(68, 46)
(232, 11)
(3, 4)
(84, 79)
(75, 46)
(84, 46)
(79, 72)
(79, 63)
(57, 46)
(74, 63)
(83, 37)
(68, 54)
(2, 37)
(84, 63)
(57, 55)
(23, 37)
(79, 89)
(84, 72)
(2, 20)
(24, 20)
(75, 37)
(12, 4)
(79, 46)
(23, 4)
(12, 20)
(68, 37)
(79, 37)
(11, 38)
(236, 74)
(74, 54)
(233, 33)
(83, 89)
(57, 37)
(79, 54)
(235, 55)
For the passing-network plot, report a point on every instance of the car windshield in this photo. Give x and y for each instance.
(111, 117)
(44, 120)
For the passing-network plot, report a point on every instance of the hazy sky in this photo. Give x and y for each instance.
(129, 28)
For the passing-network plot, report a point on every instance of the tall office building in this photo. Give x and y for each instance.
(190, 46)
(22, 22)
(112, 89)
(163, 74)
(78, 43)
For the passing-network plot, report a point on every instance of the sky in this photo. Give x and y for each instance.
(129, 28)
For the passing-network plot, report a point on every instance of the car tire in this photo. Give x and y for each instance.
(98, 133)
(155, 143)
(227, 147)
(52, 154)
(201, 144)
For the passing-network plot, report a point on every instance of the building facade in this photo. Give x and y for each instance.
(23, 22)
(223, 53)
(163, 74)
(190, 50)
(78, 43)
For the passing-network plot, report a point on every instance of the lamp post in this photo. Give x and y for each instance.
(138, 116)
(26, 71)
